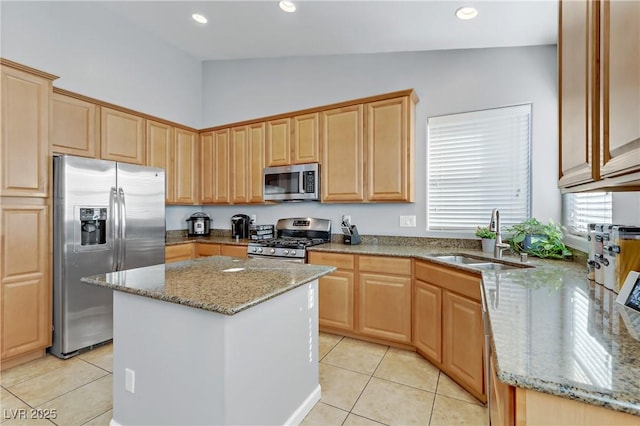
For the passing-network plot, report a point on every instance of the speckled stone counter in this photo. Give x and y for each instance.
(553, 330)
(220, 284)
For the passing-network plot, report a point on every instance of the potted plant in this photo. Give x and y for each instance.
(538, 239)
(488, 238)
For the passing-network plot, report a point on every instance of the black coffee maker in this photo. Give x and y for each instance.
(240, 226)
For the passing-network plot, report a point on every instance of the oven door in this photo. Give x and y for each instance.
(282, 259)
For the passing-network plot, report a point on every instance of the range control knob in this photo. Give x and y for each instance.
(293, 252)
(259, 249)
(285, 251)
(272, 251)
(255, 249)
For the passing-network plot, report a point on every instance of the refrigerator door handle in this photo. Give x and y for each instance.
(114, 211)
(123, 229)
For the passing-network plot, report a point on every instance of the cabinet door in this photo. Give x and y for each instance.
(178, 252)
(336, 300)
(160, 153)
(25, 297)
(205, 250)
(24, 144)
(221, 166)
(75, 127)
(206, 168)
(122, 136)
(256, 162)
(278, 142)
(390, 143)
(578, 148)
(502, 401)
(427, 320)
(239, 155)
(186, 167)
(384, 303)
(233, 251)
(342, 165)
(463, 336)
(306, 138)
(620, 59)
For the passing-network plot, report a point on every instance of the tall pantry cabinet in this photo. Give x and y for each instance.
(25, 214)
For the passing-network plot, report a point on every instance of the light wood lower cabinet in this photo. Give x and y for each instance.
(233, 251)
(25, 296)
(427, 320)
(179, 252)
(463, 339)
(205, 250)
(336, 292)
(501, 401)
(384, 298)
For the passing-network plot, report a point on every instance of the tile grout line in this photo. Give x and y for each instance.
(433, 404)
(93, 418)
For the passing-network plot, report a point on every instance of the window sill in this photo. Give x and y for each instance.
(576, 242)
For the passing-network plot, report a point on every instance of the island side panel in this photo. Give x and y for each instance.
(177, 354)
(272, 360)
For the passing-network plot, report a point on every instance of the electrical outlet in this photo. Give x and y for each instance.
(129, 380)
(346, 217)
(253, 219)
(408, 221)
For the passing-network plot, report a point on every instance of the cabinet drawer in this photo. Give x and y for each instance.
(467, 284)
(205, 250)
(386, 265)
(233, 251)
(341, 261)
(178, 252)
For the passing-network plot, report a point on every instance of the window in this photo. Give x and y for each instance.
(478, 161)
(580, 209)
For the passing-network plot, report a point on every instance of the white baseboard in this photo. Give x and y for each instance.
(302, 411)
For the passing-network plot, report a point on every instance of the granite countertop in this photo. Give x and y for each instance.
(221, 284)
(553, 330)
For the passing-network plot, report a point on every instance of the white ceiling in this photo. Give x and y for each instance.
(259, 29)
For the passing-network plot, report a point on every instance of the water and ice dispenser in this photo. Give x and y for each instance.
(93, 226)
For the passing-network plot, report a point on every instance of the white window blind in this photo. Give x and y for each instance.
(580, 209)
(478, 161)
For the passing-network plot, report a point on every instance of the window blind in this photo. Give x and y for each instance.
(478, 161)
(580, 209)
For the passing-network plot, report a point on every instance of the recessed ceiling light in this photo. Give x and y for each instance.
(466, 12)
(199, 18)
(287, 6)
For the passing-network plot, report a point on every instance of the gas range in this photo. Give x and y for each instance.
(293, 236)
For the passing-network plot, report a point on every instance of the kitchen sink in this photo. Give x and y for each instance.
(482, 264)
(460, 259)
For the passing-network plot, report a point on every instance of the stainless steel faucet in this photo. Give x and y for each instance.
(494, 225)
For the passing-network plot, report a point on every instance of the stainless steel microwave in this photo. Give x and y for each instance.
(299, 182)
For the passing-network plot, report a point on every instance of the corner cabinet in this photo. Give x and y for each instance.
(185, 168)
(599, 95)
(160, 153)
(214, 167)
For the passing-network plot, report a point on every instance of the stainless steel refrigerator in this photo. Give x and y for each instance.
(107, 216)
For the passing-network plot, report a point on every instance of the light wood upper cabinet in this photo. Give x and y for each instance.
(306, 138)
(620, 75)
(75, 126)
(214, 162)
(256, 161)
(160, 153)
(278, 142)
(342, 154)
(576, 92)
(25, 294)
(240, 172)
(389, 147)
(122, 136)
(186, 173)
(463, 341)
(206, 167)
(24, 141)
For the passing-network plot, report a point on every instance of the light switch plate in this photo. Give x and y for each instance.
(408, 221)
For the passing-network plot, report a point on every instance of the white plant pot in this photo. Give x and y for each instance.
(488, 244)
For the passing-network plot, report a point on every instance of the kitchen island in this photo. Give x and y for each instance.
(217, 340)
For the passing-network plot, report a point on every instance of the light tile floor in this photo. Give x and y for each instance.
(362, 384)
